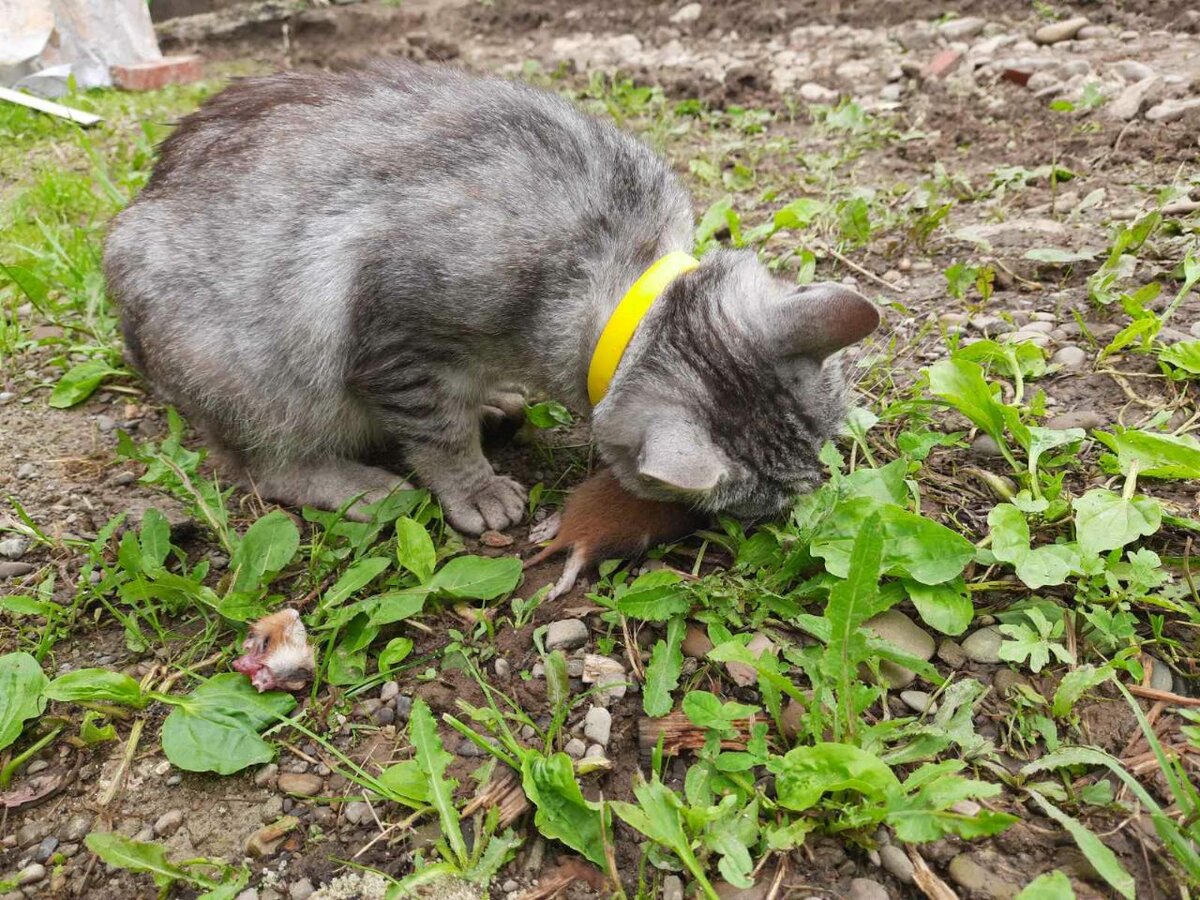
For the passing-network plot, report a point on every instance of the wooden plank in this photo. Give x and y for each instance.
(78, 116)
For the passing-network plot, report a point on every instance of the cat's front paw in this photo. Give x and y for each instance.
(497, 505)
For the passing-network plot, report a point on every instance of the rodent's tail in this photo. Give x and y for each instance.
(541, 556)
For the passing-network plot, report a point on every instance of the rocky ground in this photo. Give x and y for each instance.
(972, 111)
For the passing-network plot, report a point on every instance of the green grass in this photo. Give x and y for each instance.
(1069, 541)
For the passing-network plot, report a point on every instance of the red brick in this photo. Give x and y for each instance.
(943, 64)
(150, 76)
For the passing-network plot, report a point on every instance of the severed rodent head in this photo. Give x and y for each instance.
(277, 654)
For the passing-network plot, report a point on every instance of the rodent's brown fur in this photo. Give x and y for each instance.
(603, 520)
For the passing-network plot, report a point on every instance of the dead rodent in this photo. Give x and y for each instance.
(602, 520)
(277, 653)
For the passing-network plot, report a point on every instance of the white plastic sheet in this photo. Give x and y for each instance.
(88, 36)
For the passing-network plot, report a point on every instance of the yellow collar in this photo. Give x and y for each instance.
(623, 322)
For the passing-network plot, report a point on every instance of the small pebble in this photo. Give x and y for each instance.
(31, 874)
(265, 777)
(983, 646)
(1070, 357)
(501, 667)
(896, 863)
(77, 828)
(594, 751)
(301, 890)
(15, 569)
(495, 539)
(509, 886)
(358, 813)
(672, 888)
(866, 889)
(13, 547)
(597, 725)
(566, 634)
(575, 748)
(45, 849)
(38, 765)
(168, 823)
(403, 707)
(389, 691)
(26, 470)
(919, 701)
(300, 784)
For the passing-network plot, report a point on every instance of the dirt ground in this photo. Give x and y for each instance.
(961, 125)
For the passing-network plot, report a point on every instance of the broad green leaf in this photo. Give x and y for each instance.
(804, 774)
(26, 606)
(654, 597)
(1051, 886)
(358, 575)
(134, 856)
(406, 783)
(658, 815)
(662, 673)
(1103, 860)
(477, 577)
(414, 548)
(913, 546)
(396, 651)
(34, 289)
(1024, 359)
(715, 218)
(267, 546)
(92, 733)
(215, 728)
(562, 813)
(1074, 685)
(433, 760)
(558, 681)
(1043, 439)
(851, 602)
(707, 710)
(80, 382)
(155, 540)
(1183, 355)
(22, 686)
(946, 607)
(548, 414)
(1037, 567)
(97, 686)
(1105, 520)
(1157, 455)
(960, 383)
(394, 606)
(885, 484)
(798, 214)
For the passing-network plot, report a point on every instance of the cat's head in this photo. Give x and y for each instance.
(730, 386)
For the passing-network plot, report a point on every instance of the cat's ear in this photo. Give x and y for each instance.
(680, 457)
(816, 320)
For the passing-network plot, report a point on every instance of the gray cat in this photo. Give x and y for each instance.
(323, 265)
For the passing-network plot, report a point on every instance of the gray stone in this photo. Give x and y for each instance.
(990, 325)
(5, 396)
(951, 653)
(687, 14)
(672, 888)
(983, 646)
(919, 701)
(1070, 357)
(967, 873)
(594, 751)
(301, 890)
(901, 632)
(575, 748)
(385, 715)
(1060, 31)
(597, 725)
(13, 547)
(389, 692)
(77, 828)
(502, 667)
(1127, 104)
(31, 874)
(31, 833)
(1093, 33)
(1160, 675)
(566, 634)
(811, 92)
(961, 29)
(1079, 418)
(403, 707)
(511, 885)
(300, 784)
(15, 569)
(1172, 110)
(1132, 70)
(26, 470)
(168, 823)
(45, 849)
(866, 889)
(358, 813)
(896, 863)
(265, 777)
(1006, 680)
(985, 446)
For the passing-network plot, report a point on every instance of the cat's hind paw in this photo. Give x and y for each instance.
(499, 504)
